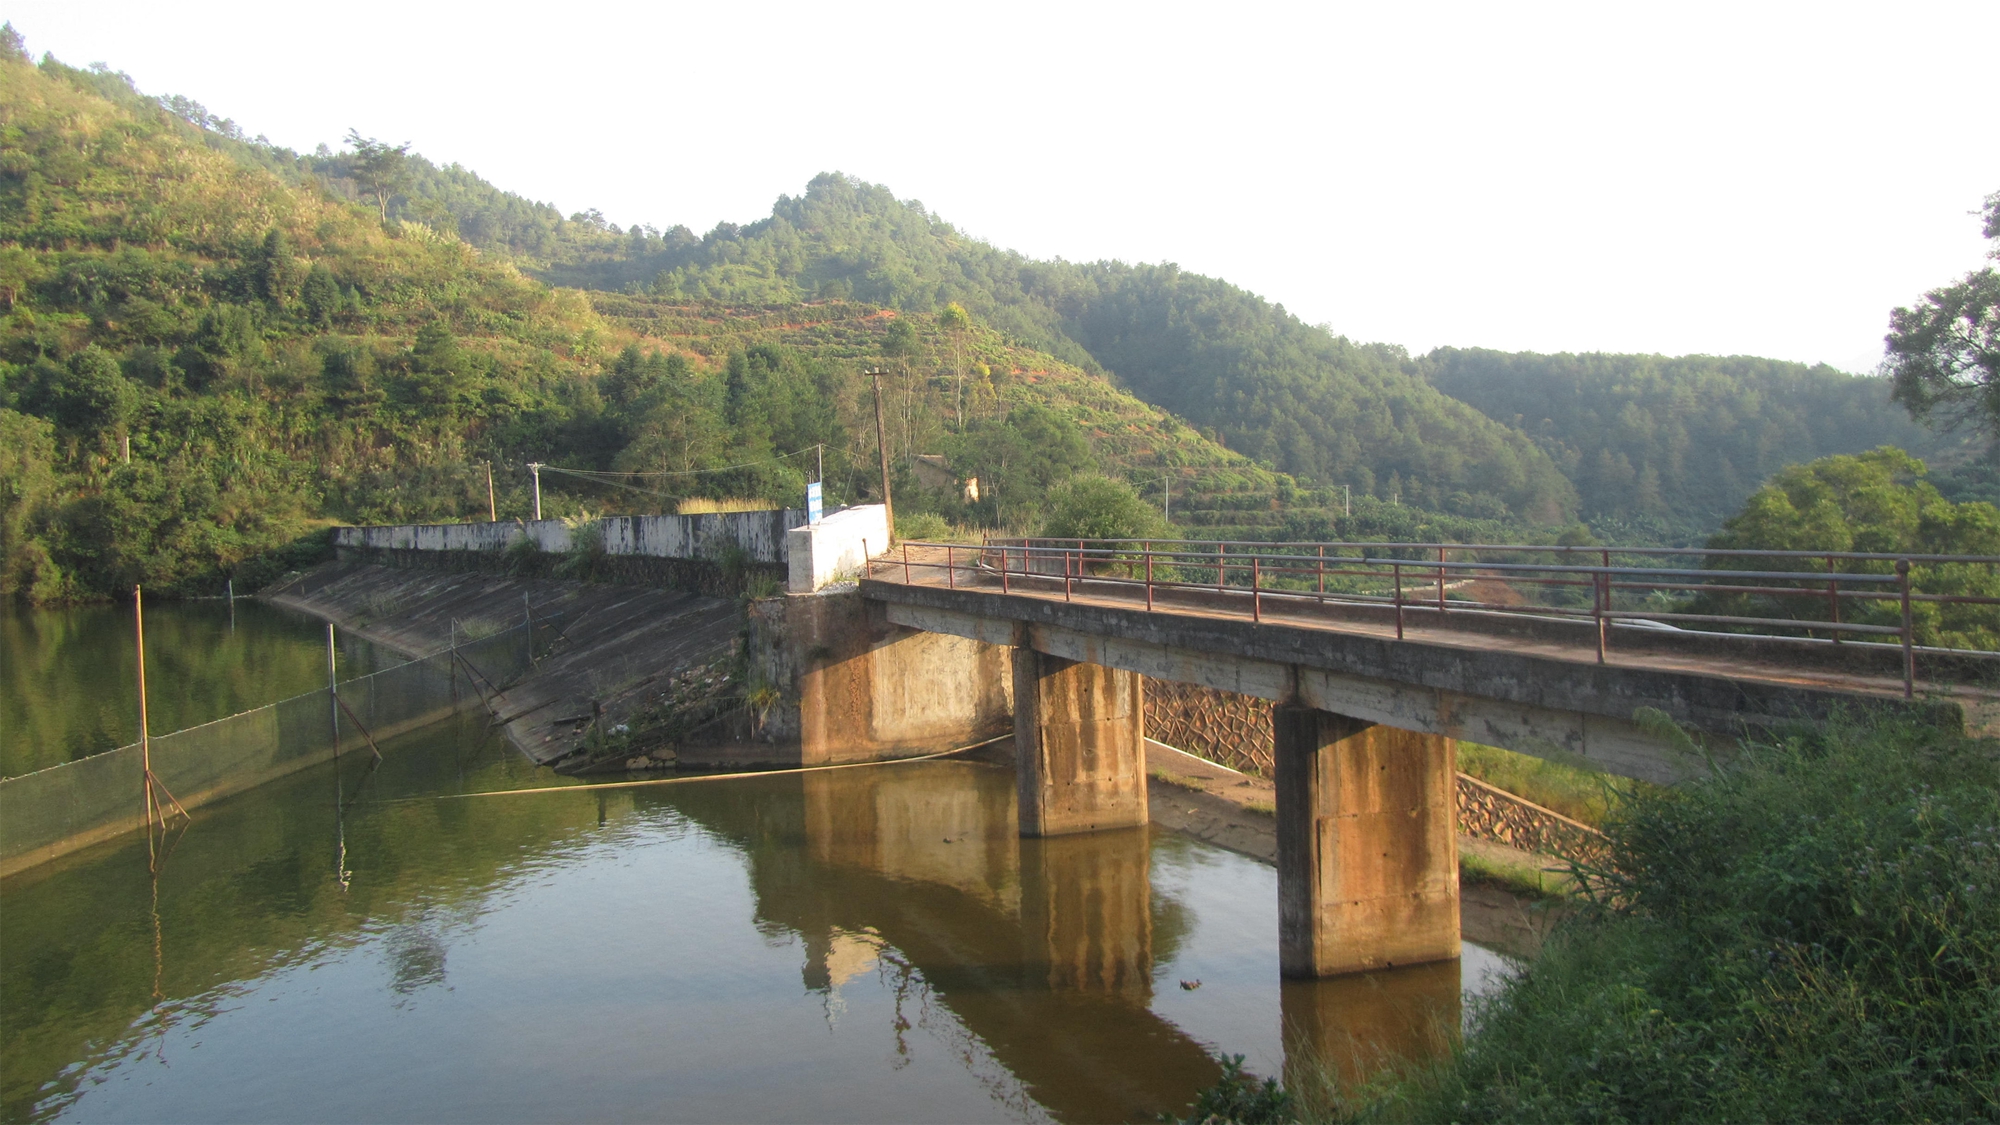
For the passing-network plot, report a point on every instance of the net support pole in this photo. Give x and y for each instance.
(332, 690)
(155, 789)
(145, 736)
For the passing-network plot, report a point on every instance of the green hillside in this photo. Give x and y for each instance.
(275, 355)
(1245, 371)
(1642, 446)
(272, 356)
(1672, 446)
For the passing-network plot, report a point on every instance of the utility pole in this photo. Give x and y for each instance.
(882, 446)
(1169, 482)
(1346, 499)
(492, 513)
(535, 470)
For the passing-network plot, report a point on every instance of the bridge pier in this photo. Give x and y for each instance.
(1367, 845)
(1079, 745)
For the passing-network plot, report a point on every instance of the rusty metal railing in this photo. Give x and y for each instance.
(1598, 585)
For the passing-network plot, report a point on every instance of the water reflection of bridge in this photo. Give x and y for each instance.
(1043, 949)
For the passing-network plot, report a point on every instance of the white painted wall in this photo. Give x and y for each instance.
(759, 535)
(836, 547)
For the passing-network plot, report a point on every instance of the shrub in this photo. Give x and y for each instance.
(1095, 507)
(1810, 932)
(922, 526)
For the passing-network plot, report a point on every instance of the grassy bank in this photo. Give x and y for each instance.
(1577, 790)
(1812, 933)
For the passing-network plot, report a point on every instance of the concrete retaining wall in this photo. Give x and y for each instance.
(760, 536)
(836, 547)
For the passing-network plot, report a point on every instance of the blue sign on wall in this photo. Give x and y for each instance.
(812, 502)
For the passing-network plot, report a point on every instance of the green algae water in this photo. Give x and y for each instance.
(363, 942)
(69, 684)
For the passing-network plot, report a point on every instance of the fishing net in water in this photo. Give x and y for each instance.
(60, 809)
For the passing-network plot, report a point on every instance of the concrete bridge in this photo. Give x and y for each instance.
(1379, 658)
(1373, 692)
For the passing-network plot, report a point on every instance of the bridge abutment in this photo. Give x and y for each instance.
(1367, 845)
(1079, 745)
(852, 687)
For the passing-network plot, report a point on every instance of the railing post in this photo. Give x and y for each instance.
(1256, 596)
(1603, 599)
(906, 562)
(1398, 567)
(1003, 568)
(950, 567)
(1322, 574)
(1221, 574)
(1149, 578)
(1068, 565)
(1909, 648)
(1833, 598)
(1440, 583)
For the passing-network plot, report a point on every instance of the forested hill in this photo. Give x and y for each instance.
(1245, 370)
(1648, 446)
(205, 354)
(1641, 445)
(1668, 447)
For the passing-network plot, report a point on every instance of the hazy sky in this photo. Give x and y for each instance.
(1768, 180)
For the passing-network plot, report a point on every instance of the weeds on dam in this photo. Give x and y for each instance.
(1811, 933)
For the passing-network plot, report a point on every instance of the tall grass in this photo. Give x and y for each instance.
(1811, 933)
(1575, 789)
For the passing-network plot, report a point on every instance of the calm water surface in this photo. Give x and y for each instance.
(69, 682)
(857, 945)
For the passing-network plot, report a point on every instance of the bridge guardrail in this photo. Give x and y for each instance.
(1850, 594)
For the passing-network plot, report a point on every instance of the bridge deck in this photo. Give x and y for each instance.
(1871, 671)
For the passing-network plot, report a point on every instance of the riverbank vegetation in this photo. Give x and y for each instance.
(1809, 932)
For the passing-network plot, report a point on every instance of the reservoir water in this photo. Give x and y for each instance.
(69, 683)
(361, 942)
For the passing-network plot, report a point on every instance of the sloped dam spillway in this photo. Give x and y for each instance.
(382, 942)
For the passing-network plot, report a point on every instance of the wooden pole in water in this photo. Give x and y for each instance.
(333, 690)
(145, 736)
(155, 808)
